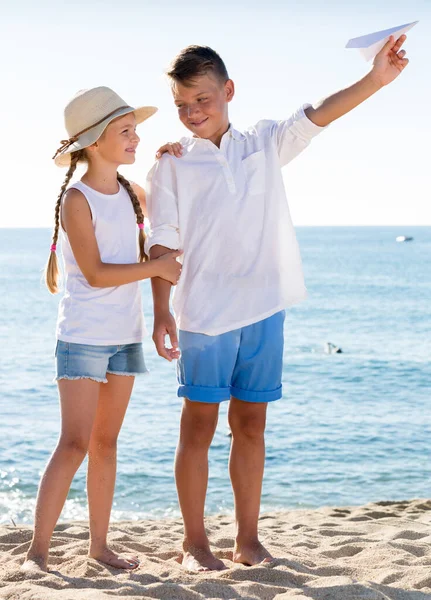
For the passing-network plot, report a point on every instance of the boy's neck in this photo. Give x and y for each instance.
(102, 178)
(218, 135)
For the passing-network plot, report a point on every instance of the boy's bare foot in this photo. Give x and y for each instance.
(111, 558)
(201, 559)
(251, 553)
(35, 564)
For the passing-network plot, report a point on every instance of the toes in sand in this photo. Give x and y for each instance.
(118, 561)
(252, 553)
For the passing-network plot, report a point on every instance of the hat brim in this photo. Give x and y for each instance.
(90, 137)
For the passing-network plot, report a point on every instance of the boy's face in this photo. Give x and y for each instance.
(203, 106)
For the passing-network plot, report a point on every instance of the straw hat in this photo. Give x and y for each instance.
(88, 114)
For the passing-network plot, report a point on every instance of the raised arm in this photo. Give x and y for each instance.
(388, 64)
(76, 219)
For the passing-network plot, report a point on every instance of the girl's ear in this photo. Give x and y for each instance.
(92, 148)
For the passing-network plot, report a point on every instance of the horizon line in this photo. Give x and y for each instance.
(4, 227)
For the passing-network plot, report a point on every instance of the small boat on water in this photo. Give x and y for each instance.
(330, 348)
(404, 238)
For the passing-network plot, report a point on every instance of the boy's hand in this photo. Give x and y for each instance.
(388, 64)
(164, 324)
(174, 149)
(390, 61)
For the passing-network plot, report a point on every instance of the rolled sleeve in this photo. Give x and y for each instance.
(162, 206)
(294, 135)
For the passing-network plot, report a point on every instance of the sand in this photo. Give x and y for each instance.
(374, 552)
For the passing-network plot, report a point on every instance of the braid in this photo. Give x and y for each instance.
(139, 215)
(52, 270)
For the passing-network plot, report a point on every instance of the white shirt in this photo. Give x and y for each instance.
(102, 316)
(227, 209)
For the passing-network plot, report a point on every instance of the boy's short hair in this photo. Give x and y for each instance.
(194, 61)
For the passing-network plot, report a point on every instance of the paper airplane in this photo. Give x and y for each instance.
(371, 44)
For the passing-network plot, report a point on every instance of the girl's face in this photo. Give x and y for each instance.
(118, 142)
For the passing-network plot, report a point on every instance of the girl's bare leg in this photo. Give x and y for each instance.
(78, 400)
(102, 465)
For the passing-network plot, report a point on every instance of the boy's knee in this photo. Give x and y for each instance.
(247, 426)
(198, 425)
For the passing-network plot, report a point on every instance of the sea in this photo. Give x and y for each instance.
(353, 427)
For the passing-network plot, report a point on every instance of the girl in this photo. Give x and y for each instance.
(100, 322)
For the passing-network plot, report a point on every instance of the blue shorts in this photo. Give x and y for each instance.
(82, 361)
(246, 363)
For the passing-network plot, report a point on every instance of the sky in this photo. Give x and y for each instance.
(371, 167)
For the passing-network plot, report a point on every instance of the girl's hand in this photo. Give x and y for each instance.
(390, 61)
(168, 266)
(174, 149)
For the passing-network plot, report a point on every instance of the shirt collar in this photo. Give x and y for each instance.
(235, 134)
(231, 132)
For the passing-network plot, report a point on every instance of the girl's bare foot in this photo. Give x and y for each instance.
(111, 558)
(201, 559)
(35, 564)
(251, 553)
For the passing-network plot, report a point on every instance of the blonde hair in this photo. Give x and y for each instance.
(139, 215)
(52, 271)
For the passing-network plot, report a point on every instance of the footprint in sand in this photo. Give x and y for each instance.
(304, 528)
(339, 513)
(334, 533)
(418, 551)
(424, 583)
(344, 552)
(375, 514)
(392, 503)
(308, 545)
(410, 535)
(423, 505)
(392, 578)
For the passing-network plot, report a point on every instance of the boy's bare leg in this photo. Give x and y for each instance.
(198, 424)
(247, 423)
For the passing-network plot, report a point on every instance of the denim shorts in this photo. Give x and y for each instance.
(82, 361)
(246, 363)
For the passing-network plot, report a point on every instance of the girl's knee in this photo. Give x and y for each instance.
(75, 446)
(103, 446)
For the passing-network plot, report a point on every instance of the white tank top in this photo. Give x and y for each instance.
(103, 316)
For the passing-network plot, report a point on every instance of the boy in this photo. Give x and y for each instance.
(223, 202)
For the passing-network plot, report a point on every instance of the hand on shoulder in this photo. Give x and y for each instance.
(172, 148)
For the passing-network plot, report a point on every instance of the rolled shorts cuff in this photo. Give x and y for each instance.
(251, 396)
(200, 393)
